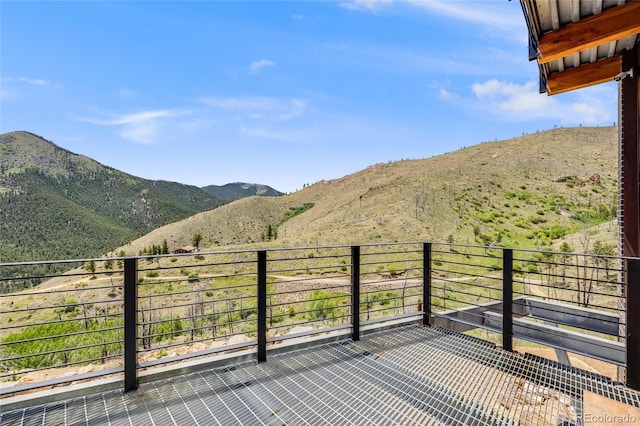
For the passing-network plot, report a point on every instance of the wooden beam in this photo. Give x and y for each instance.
(586, 75)
(610, 25)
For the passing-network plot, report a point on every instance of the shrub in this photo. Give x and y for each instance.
(522, 223)
(343, 268)
(486, 217)
(63, 342)
(246, 313)
(324, 304)
(537, 219)
(70, 305)
(167, 329)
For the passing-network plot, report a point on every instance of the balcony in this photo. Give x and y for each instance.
(396, 333)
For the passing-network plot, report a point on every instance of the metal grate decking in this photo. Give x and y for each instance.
(407, 375)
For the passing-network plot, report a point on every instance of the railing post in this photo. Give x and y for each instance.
(507, 300)
(632, 337)
(130, 324)
(262, 306)
(355, 292)
(426, 284)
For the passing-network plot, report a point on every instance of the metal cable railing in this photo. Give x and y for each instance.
(119, 315)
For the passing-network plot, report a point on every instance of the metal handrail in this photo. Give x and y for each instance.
(244, 298)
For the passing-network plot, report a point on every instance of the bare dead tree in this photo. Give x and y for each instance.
(191, 313)
(404, 289)
(214, 318)
(146, 327)
(84, 314)
(230, 307)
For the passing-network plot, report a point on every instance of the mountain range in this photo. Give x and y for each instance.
(56, 204)
(236, 190)
(532, 191)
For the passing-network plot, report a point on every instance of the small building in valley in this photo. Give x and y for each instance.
(185, 249)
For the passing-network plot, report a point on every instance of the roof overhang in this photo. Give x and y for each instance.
(578, 43)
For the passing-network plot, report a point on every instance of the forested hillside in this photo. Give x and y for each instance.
(237, 190)
(55, 204)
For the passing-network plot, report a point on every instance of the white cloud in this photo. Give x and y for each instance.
(138, 117)
(522, 102)
(265, 133)
(591, 113)
(141, 127)
(498, 17)
(438, 61)
(258, 66)
(370, 5)
(38, 82)
(445, 94)
(491, 88)
(258, 107)
(247, 103)
(490, 14)
(35, 81)
(297, 107)
(297, 16)
(14, 88)
(597, 104)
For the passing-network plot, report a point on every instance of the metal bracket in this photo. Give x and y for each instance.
(631, 73)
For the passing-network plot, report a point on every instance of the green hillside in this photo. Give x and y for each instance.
(237, 190)
(55, 204)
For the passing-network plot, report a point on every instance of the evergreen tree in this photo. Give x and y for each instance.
(90, 266)
(195, 240)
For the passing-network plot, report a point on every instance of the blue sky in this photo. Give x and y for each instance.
(279, 93)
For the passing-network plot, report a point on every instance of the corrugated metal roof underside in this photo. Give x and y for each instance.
(410, 375)
(550, 15)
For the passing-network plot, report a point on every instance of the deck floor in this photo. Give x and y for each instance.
(407, 375)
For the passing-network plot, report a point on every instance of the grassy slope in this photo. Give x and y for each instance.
(511, 191)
